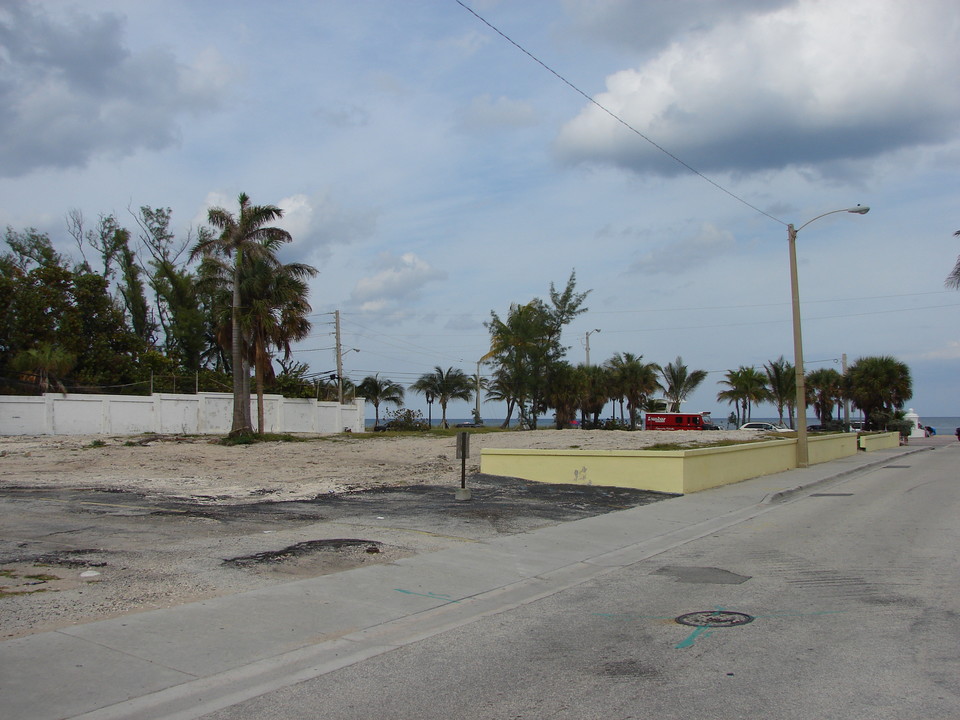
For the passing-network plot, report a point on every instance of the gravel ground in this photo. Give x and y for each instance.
(96, 527)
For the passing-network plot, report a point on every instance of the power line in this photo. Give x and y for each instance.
(612, 114)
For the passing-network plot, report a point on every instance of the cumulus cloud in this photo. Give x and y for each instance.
(316, 222)
(686, 253)
(806, 84)
(396, 279)
(652, 25)
(72, 91)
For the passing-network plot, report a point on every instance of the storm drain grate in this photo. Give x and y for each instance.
(898, 467)
(714, 618)
(831, 494)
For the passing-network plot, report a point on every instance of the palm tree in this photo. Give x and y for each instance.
(824, 388)
(878, 384)
(453, 384)
(274, 314)
(46, 365)
(379, 392)
(565, 387)
(782, 383)
(244, 236)
(678, 382)
(634, 380)
(953, 279)
(598, 382)
(746, 386)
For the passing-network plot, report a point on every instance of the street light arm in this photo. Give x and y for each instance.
(859, 210)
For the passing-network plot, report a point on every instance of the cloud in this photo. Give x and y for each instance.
(71, 91)
(686, 254)
(396, 279)
(806, 85)
(950, 351)
(485, 113)
(316, 222)
(657, 24)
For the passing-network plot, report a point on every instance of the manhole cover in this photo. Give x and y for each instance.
(714, 618)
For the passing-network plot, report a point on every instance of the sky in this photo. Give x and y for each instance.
(437, 161)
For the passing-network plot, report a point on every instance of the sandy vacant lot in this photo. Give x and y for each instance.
(200, 469)
(93, 527)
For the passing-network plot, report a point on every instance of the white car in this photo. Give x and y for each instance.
(764, 427)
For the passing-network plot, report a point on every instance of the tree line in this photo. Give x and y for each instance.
(531, 376)
(211, 308)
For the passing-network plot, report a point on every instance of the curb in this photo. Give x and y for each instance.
(784, 495)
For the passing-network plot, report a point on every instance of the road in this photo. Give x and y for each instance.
(839, 603)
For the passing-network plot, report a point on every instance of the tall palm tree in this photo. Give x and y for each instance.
(379, 391)
(503, 389)
(679, 382)
(244, 235)
(634, 380)
(274, 314)
(782, 383)
(746, 387)
(452, 384)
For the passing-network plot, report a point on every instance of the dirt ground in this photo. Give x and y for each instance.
(96, 526)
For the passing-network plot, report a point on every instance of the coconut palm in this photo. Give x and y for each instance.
(679, 382)
(634, 380)
(242, 236)
(379, 391)
(746, 387)
(782, 383)
(452, 384)
(274, 314)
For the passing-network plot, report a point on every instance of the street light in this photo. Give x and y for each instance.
(587, 344)
(803, 456)
(340, 354)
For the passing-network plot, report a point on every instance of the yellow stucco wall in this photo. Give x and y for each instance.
(879, 441)
(672, 471)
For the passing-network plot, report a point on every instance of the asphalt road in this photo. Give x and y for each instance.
(841, 603)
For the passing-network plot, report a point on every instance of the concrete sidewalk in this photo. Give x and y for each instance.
(190, 660)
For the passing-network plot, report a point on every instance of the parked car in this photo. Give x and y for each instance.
(764, 427)
(711, 426)
(469, 424)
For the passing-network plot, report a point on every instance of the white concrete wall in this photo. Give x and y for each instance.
(201, 414)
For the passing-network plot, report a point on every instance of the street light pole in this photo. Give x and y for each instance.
(803, 455)
(587, 344)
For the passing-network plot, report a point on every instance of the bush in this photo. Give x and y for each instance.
(406, 419)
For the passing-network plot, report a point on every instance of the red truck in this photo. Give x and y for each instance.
(679, 421)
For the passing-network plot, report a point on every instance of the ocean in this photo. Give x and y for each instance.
(943, 425)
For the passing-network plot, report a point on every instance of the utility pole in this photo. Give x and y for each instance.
(336, 318)
(477, 418)
(846, 400)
